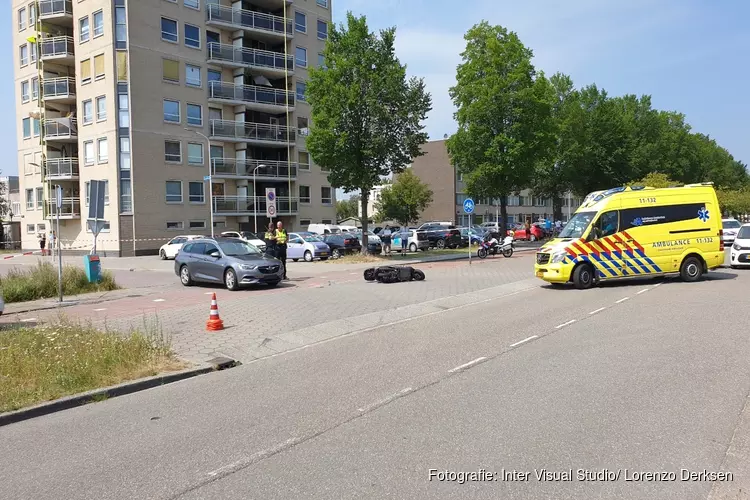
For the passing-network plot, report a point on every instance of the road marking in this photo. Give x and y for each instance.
(524, 340)
(353, 273)
(642, 291)
(565, 324)
(255, 457)
(467, 365)
(598, 310)
(160, 300)
(658, 284)
(392, 397)
(28, 320)
(100, 309)
(208, 293)
(621, 300)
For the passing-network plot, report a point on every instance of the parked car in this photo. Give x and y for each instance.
(476, 236)
(730, 227)
(307, 246)
(252, 238)
(441, 236)
(374, 243)
(323, 229)
(342, 244)
(741, 248)
(170, 249)
(2, 303)
(231, 261)
(417, 241)
(520, 233)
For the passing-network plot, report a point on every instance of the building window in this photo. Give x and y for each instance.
(22, 19)
(123, 116)
(35, 127)
(88, 111)
(23, 53)
(304, 194)
(170, 70)
(303, 160)
(15, 208)
(40, 198)
(169, 30)
(174, 191)
(103, 149)
(106, 227)
(192, 36)
(192, 75)
(126, 196)
(99, 67)
(195, 153)
(300, 57)
(88, 153)
(85, 71)
(34, 88)
(322, 30)
(173, 151)
(300, 22)
(124, 153)
(33, 51)
(197, 224)
(175, 225)
(171, 111)
(196, 194)
(301, 88)
(25, 91)
(322, 3)
(83, 29)
(195, 115)
(30, 200)
(321, 61)
(326, 197)
(32, 15)
(326, 221)
(213, 76)
(193, 4)
(122, 66)
(304, 223)
(98, 23)
(101, 108)
(121, 27)
(30, 228)
(302, 126)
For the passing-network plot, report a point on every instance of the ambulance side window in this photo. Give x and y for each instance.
(606, 225)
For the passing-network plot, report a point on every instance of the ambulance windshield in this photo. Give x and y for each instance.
(577, 225)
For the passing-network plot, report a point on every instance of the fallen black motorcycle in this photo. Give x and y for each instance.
(393, 274)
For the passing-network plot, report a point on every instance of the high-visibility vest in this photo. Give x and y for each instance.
(269, 235)
(281, 237)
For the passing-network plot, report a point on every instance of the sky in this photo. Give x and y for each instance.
(691, 56)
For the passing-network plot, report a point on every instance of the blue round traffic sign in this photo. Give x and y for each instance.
(271, 195)
(469, 206)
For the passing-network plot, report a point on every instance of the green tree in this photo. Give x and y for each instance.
(503, 116)
(347, 208)
(404, 200)
(366, 115)
(734, 202)
(657, 180)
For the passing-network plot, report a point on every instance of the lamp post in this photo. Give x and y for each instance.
(210, 180)
(255, 197)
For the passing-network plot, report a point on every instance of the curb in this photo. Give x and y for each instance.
(92, 396)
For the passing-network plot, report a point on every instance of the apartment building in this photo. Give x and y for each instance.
(188, 110)
(449, 193)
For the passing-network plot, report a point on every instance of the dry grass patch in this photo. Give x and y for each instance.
(40, 282)
(49, 361)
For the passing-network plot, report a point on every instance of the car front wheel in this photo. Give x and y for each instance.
(440, 244)
(336, 253)
(185, 276)
(230, 280)
(308, 256)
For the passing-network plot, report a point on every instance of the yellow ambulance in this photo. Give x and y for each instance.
(634, 232)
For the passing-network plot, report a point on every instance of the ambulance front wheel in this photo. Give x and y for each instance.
(691, 269)
(583, 277)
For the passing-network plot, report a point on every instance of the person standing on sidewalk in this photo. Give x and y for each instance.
(270, 238)
(281, 245)
(52, 241)
(386, 237)
(404, 239)
(42, 242)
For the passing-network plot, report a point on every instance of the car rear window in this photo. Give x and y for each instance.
(731, 224)
(187, 248)
(198, 248)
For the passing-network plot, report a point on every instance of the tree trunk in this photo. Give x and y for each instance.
(557, 207)
(363, 199)
(503, 215)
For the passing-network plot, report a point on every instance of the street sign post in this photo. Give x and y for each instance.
(58, 204)
(271, 203)
(469, 209)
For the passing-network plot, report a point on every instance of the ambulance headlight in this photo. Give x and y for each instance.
(558, 257)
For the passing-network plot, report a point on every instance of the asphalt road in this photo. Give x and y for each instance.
(643, 376)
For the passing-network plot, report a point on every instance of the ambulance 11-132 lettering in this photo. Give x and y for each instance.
(679, 243)
(647, 200)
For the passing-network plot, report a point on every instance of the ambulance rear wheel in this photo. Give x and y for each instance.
(583, 277)
(691, 269)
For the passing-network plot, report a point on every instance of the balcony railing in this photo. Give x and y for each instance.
(248, 19)
(57, 168)
(256, 58)
(60, 128)
(253, 204)
(55, 8)
(244, 131)
(70, 209)
(250, 93)
(229, 167)
(58, 87)
(57, 47)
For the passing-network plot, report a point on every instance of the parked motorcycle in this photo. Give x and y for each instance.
(492, 247)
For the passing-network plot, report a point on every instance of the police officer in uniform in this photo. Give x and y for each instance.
(281, 245)
(270, 238)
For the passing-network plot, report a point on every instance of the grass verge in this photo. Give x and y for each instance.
(40, 282)
(47, 362)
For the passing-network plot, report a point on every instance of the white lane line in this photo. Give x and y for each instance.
(658, 284)
(385, 401)
(208, 293)
(100, 309)
(160, 300)
(466, 365)
(353, 273)
(524, 340)
(255, 457)
(565, 324)
(598, 310)
(621, 300)
(642, 291)
(28, 320)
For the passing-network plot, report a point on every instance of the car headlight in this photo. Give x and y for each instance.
(248, 267)
(558, 257)
(736, 247)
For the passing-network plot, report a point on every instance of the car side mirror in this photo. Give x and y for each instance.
(215, 254)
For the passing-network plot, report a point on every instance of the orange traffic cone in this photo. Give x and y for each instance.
(214, 321)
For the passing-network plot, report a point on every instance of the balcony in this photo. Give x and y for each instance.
(58, 49)
(259, 25)
(252, 205)
(262, 134)
(58, 169)
(264, 62)
(70, 209)
(58, 12)
(229, 168)
(255, 97)
(61, 129)
(59, 89)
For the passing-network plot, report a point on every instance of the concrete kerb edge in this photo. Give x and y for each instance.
(123, 389)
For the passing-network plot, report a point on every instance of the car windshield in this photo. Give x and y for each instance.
(744, 233)
(577, 225)
(249, 236)
(311, 238)
(731, 224)
(238, 249)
